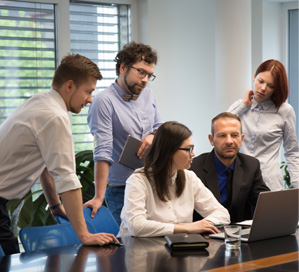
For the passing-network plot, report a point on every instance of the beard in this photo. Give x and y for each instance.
(134, 88)
(226, 156)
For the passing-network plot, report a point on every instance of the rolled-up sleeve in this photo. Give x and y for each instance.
(100, 124)
(56, 145)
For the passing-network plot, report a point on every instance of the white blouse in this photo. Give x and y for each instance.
(145, 215)
(265, 130)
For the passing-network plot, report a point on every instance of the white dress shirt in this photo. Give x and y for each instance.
(145, 215)
(265, 130)
(37, 135)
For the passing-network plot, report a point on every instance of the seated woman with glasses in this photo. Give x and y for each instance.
(161, 196)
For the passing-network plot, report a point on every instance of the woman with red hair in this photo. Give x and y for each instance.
(268, 121)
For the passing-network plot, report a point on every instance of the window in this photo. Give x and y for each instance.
(293, 69)
(29, 49)
(27, 52)
(98, 32)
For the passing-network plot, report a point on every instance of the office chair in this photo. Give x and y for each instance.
(44, 237)
(102, 222)
(1, 252)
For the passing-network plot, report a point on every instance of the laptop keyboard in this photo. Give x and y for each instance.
(245, 233)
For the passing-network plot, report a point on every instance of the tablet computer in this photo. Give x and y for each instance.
(128, 156)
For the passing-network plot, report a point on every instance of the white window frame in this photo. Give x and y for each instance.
(285, 33)
(63, 21)
(63, 45)
(286, 7)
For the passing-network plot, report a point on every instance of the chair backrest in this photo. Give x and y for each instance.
(1, 252)
(102, 222)
(43, 237)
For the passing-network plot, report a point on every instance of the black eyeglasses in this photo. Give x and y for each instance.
(189, 149)
(143, 74)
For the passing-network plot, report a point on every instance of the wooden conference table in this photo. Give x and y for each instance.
(150, 254)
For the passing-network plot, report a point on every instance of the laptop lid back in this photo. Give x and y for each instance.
(276, 214)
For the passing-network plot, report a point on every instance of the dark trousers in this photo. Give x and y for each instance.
(8, 242)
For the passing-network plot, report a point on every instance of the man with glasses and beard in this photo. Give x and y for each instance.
(127, 107)
(235, 179)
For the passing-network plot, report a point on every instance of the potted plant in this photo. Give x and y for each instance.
(286, 175)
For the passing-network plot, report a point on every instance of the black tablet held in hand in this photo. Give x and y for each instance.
(128, 156)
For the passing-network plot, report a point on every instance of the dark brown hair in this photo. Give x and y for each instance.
(281, 86)
(133, 53)
(76, 68)
(224, 115)
(158, 162)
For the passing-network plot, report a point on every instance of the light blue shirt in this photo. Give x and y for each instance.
(265, 130)
(111, 120)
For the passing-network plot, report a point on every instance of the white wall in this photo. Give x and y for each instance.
(208, 52)
(233, 51)
(272, 31)
(184, 36)
(204, 65)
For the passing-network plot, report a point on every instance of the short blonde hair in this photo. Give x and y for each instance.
(77, 68)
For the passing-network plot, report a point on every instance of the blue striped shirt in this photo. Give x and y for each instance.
(111, 120)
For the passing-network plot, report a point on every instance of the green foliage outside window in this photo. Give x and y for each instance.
(27, 65)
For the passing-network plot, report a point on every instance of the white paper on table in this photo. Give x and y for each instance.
(245, 223)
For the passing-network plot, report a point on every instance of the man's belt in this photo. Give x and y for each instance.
(118, 187)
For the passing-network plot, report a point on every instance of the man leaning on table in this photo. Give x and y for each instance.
(127, 107)
(36, 141)
(239, 193)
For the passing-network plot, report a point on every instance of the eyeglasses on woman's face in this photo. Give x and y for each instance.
(189, 149)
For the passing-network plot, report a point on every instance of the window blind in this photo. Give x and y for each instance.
(27, 52)
(98, 31)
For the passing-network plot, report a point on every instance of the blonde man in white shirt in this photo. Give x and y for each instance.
(160, 198)
(36, 141)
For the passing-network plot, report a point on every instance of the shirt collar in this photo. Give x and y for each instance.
(58, 99)
(220, 167)
(119, 90)
(173, 178)
(264, 106)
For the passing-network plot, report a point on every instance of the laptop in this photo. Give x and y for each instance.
(276, 214)
(128, 156)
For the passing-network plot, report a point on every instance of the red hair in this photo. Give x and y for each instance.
(281, 86)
